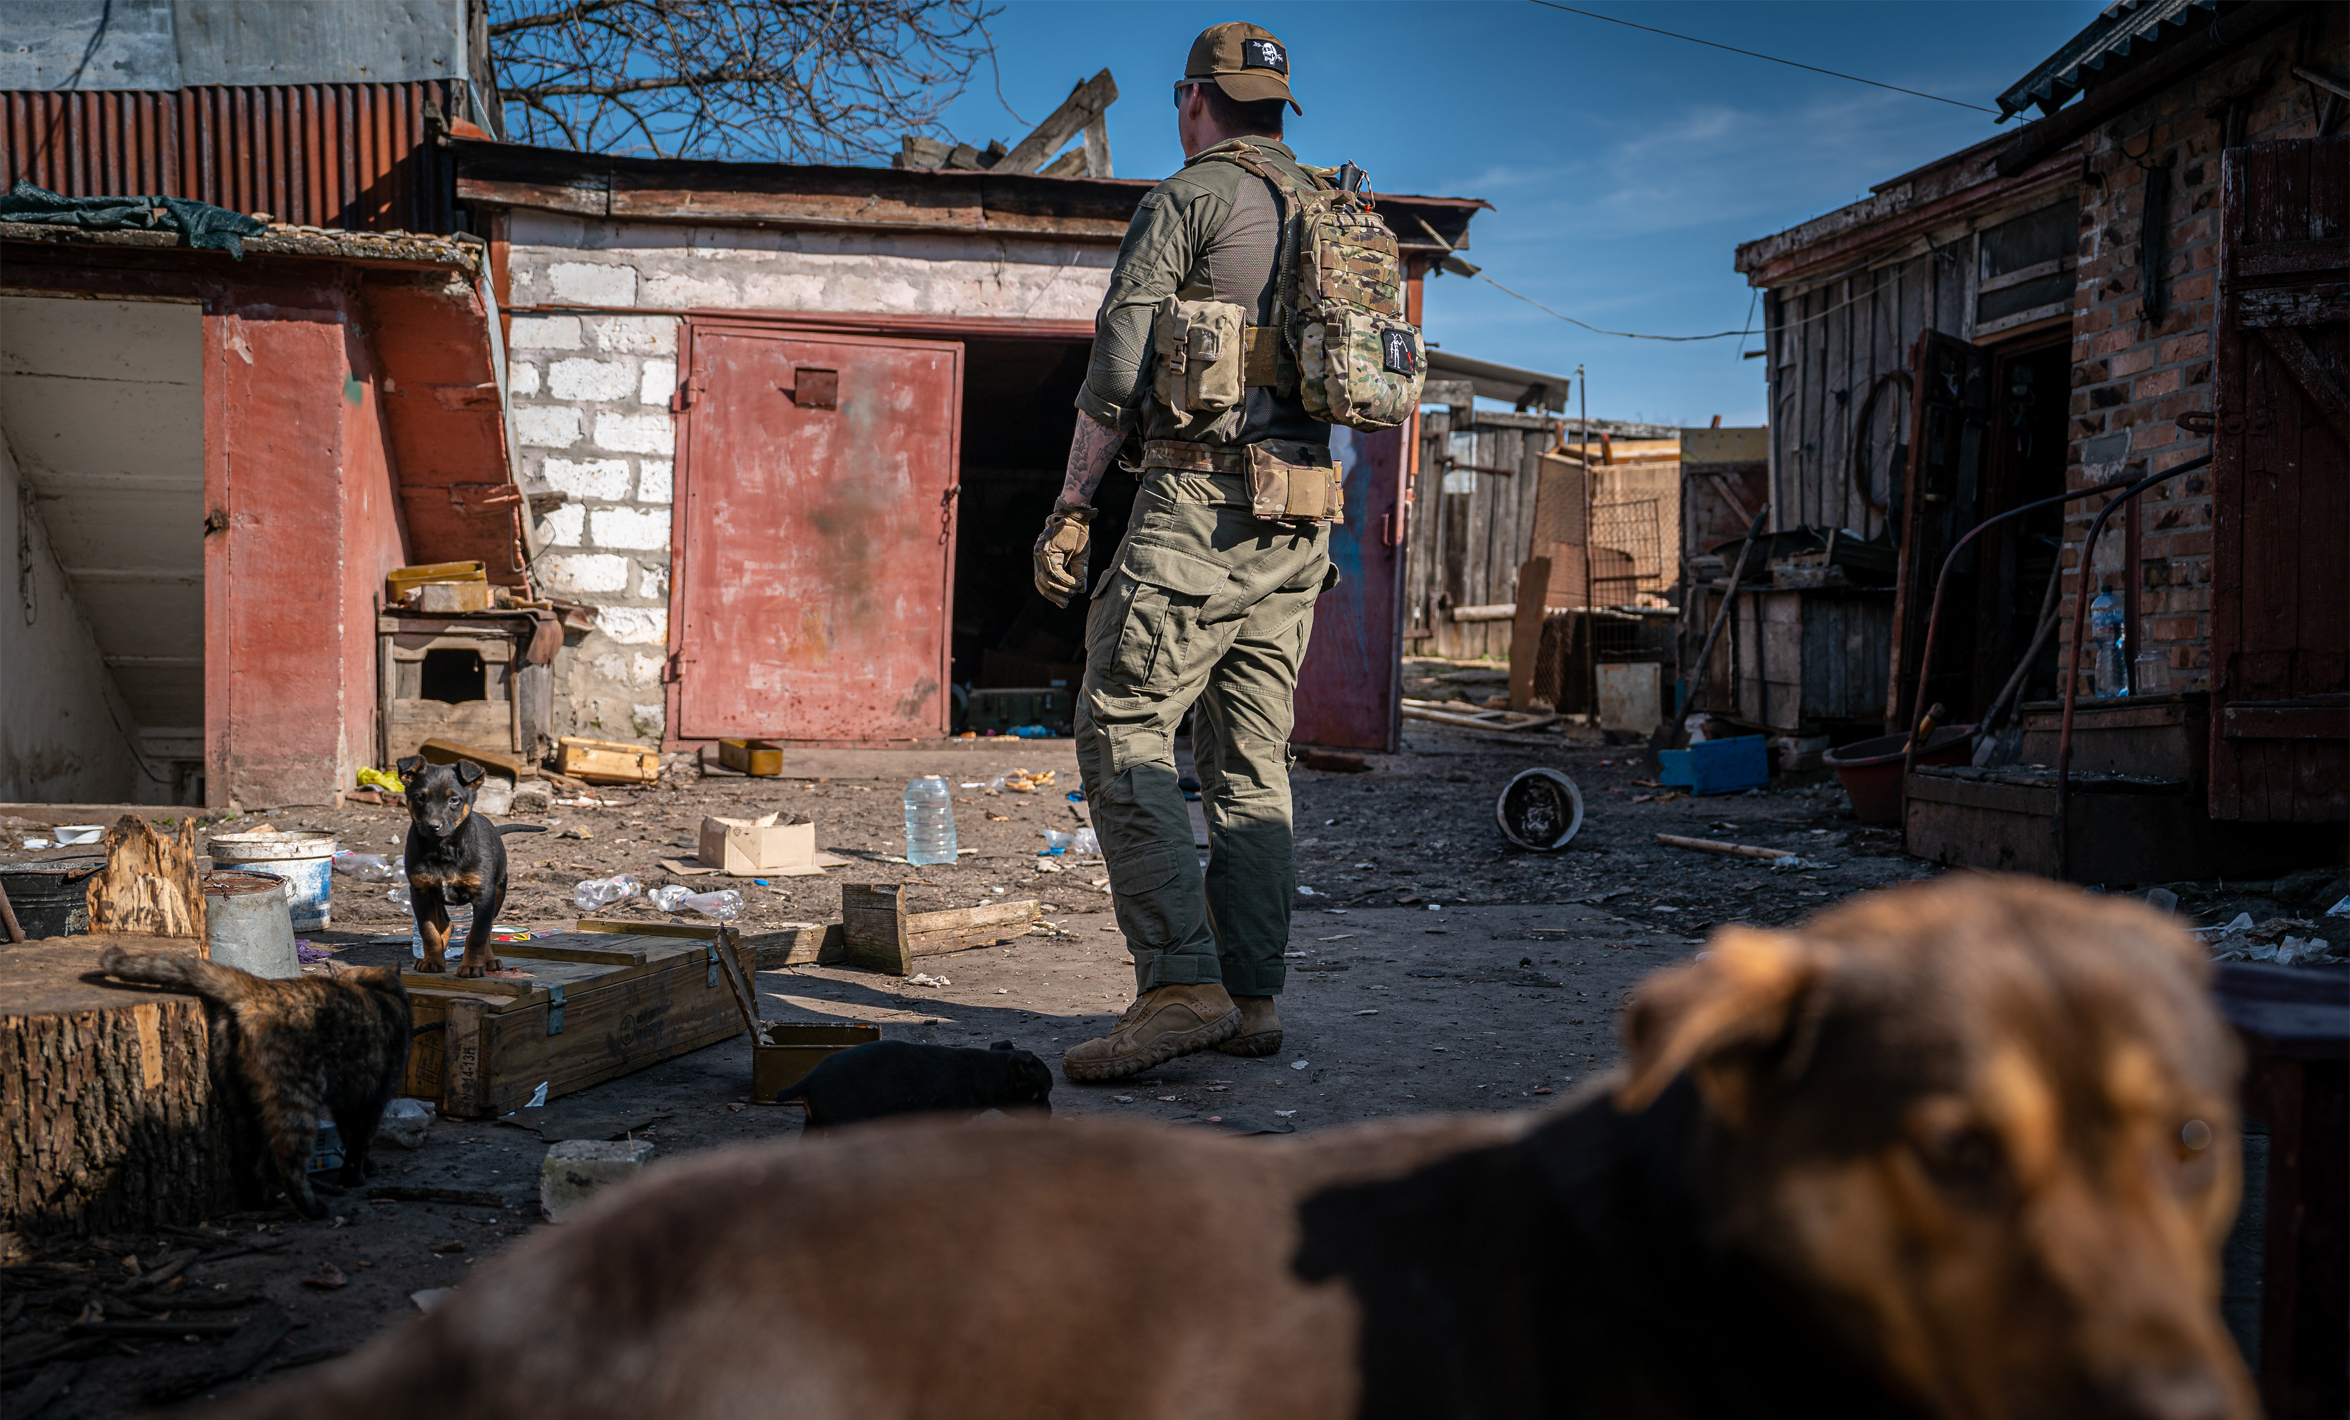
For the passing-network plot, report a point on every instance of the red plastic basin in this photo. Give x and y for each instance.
(1870, 770)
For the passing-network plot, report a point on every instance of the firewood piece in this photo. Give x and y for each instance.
(149, 886)
(1715, 845)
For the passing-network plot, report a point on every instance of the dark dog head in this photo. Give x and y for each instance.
(440, 796)
(1989, 1125)
(1026, 1082)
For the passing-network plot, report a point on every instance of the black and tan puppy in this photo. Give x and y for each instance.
(455, 857)
(1965, 1150)
(892, 1077)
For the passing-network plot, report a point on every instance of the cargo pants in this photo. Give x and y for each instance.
(1206, 608)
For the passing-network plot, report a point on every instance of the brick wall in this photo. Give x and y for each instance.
(2133, 377)
(590, 390)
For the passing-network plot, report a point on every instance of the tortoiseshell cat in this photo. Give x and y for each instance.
(340, 1041)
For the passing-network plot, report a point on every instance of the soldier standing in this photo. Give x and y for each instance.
(1208, 603)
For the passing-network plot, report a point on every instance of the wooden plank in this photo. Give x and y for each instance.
(2293, 258)
(1526, 631)
(1084, 104)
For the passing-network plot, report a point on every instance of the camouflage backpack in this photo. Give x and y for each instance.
(1354, 358)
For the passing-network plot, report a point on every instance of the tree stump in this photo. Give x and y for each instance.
(112, 1113)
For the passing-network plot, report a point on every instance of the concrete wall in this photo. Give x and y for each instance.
(2133, 377)
(591, 393)
(58, 743)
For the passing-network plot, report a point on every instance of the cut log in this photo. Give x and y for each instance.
(111, 1117)
(149, 886)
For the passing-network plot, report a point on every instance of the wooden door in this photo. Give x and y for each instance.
(1350, 689)
(814, 543)
(1941, 499)
(2280, 596)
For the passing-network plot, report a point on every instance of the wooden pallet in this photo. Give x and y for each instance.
(593, 1007)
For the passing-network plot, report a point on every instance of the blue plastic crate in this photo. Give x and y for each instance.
(1672, 768)
(1728, 766)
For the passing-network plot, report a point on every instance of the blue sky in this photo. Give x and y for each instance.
(1623, 167)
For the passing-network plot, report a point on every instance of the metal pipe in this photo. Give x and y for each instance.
(2072, 669)
(1909, 750)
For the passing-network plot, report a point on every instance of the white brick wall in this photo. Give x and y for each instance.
(591, 393)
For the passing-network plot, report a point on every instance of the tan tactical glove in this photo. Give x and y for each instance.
(1060, 552)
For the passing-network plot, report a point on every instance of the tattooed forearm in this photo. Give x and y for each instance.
(1090, 452)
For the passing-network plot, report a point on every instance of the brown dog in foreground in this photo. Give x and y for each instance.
(1963, 1150)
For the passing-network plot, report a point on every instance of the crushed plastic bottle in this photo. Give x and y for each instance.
(1084, 844)
(370, 867)
(398, 895)
(1057, 842)
(930, 821)
(726, 904)
(603, 892)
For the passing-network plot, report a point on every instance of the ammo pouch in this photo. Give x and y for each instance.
(1279, 490)
(1199, 345)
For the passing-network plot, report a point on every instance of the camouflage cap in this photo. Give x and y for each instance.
(1245, 60)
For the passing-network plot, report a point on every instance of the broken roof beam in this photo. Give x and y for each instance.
(1084, 105)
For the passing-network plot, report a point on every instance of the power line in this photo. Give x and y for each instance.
(1833, 74)
(1717, 335)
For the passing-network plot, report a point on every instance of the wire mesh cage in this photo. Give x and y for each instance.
(1632, 529)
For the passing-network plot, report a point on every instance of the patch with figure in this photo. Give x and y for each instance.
(1263, 54)
(1398, 350)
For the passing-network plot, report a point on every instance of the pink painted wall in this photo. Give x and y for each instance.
(302, 473)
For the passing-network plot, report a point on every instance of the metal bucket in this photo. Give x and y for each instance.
(51, 898)
(304, 859)
(248, 923)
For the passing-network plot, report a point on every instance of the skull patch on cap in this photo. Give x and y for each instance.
(1263, 54)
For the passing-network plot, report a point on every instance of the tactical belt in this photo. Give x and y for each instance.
(1291, 489)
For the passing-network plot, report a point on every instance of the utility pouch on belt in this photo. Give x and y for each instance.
(1200, 349)
(1281, 491)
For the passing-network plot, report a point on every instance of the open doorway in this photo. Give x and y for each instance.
(102, 517)
(1019, 410)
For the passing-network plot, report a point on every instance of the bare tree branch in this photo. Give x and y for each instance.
(792, 80)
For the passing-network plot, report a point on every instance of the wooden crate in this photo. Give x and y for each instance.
(595, 1006)
(880, 935)
(757, 758)
(607, 762)
(793, 1048)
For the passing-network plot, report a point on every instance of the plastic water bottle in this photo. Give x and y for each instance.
(930, 821)
(603, 892)
(726, 904)
(2112, 667)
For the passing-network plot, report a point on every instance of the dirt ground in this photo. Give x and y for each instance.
(1434, 968)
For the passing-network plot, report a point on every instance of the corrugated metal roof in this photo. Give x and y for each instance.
(2126, 32)
(354, 156)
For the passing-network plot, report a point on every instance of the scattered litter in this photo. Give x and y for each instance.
(1286, 1113)
(1367, 1013)
(430, 1297)
(1020, 781)
(1793, 864)
(974, 784)
(370, 867)
(577, 831)
(327, 1278)
(1123, 1099)
(308, 952)
(1304, 891)
(1435, 907)
(2162, 899)
(449, 1248)
(1299, 1064)
(603, 892)
(1542, 1089)
(397, 895)
(924, 978)
(372, 778)
(538, 1097)
(32, 843)
(726, 904)
(1340, 937)
(2339, 909)
(405, 1122)
(2242, 922)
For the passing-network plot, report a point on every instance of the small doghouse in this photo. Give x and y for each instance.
(483, 679)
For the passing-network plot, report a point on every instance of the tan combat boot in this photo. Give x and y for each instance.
(1260, 1028)
(1166, 1021)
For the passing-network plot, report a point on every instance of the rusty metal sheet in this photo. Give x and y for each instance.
(352, 156)
(1349, 691)
(814, 544)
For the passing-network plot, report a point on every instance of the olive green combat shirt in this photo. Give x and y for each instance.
(1210, 232)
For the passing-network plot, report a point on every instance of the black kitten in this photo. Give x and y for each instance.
(899, 1077)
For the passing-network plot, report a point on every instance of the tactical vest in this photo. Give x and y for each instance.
(1338, 338)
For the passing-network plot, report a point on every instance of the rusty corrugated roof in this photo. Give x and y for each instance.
(2125, 33)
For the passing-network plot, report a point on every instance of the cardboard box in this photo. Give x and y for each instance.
(759, 847)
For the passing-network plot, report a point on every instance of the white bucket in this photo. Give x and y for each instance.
(304, 859)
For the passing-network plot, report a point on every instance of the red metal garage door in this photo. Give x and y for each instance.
(815, 542)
